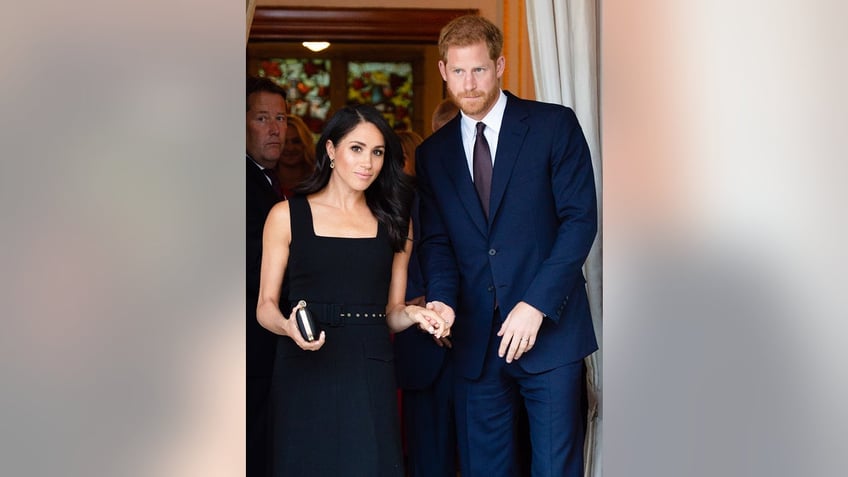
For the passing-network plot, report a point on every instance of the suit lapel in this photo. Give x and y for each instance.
(255, 175)
(510, 139)
(456, 166)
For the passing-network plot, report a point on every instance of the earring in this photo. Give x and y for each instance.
(332, 163)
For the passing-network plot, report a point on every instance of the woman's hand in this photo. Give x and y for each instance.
(291, 330)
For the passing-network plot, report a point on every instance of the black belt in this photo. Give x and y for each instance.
(336, 314)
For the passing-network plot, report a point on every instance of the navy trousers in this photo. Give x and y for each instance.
(487, 409)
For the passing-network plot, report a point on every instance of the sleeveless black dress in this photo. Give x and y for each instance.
(335, 410)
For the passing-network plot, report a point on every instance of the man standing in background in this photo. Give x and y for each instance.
(266, 133)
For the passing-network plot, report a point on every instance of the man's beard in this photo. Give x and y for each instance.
(483, 102)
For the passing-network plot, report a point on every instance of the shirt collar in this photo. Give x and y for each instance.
(492, 120)
(256, 163)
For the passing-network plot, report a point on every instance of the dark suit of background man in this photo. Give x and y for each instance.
(513, 276)
(266, 132)
(424, 371)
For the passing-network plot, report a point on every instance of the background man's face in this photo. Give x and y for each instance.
(266, 127)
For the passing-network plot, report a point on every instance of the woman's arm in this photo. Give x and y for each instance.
(276, 240)
(401, 316)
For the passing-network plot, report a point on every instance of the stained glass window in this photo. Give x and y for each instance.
(387, 86)
(307, 84)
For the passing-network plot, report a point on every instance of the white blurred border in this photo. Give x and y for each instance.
(123, 247)
(723, 142)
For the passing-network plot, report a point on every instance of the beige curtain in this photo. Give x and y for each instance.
(563, 46)
(518, 76)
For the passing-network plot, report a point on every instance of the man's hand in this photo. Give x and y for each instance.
(519, 331)
(444, 311)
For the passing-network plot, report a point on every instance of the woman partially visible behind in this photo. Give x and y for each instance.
(344, 243)
(409, 141)
(297, 161)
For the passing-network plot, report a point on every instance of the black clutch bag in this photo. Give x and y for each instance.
(306, 323)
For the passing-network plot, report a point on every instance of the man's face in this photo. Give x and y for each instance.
(472, 78)
(266, 124)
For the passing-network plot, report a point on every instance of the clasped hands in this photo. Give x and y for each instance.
(435, 318)
(444, 311)
(518, 332)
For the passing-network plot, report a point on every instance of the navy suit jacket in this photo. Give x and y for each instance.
(543, 221)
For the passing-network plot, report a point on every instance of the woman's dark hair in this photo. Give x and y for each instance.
(390, 195)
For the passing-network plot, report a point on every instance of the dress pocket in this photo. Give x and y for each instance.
(378, 349)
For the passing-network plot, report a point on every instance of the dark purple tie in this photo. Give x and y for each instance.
(275, 182)
(482, 163)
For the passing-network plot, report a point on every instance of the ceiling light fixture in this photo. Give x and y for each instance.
(316, 45)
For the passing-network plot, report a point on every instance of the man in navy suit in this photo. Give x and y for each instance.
(505, 256)
(265, 136)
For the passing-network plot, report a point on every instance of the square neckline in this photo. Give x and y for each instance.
(312, 227)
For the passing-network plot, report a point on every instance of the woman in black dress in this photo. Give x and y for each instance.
(343, 243)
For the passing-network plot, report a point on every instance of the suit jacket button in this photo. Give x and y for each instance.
(491, 288)
(492, 251)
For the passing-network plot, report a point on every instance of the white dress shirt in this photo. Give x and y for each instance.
(493, 122)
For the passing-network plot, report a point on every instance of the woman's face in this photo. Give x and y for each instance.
(358, 156)
(294, 149)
